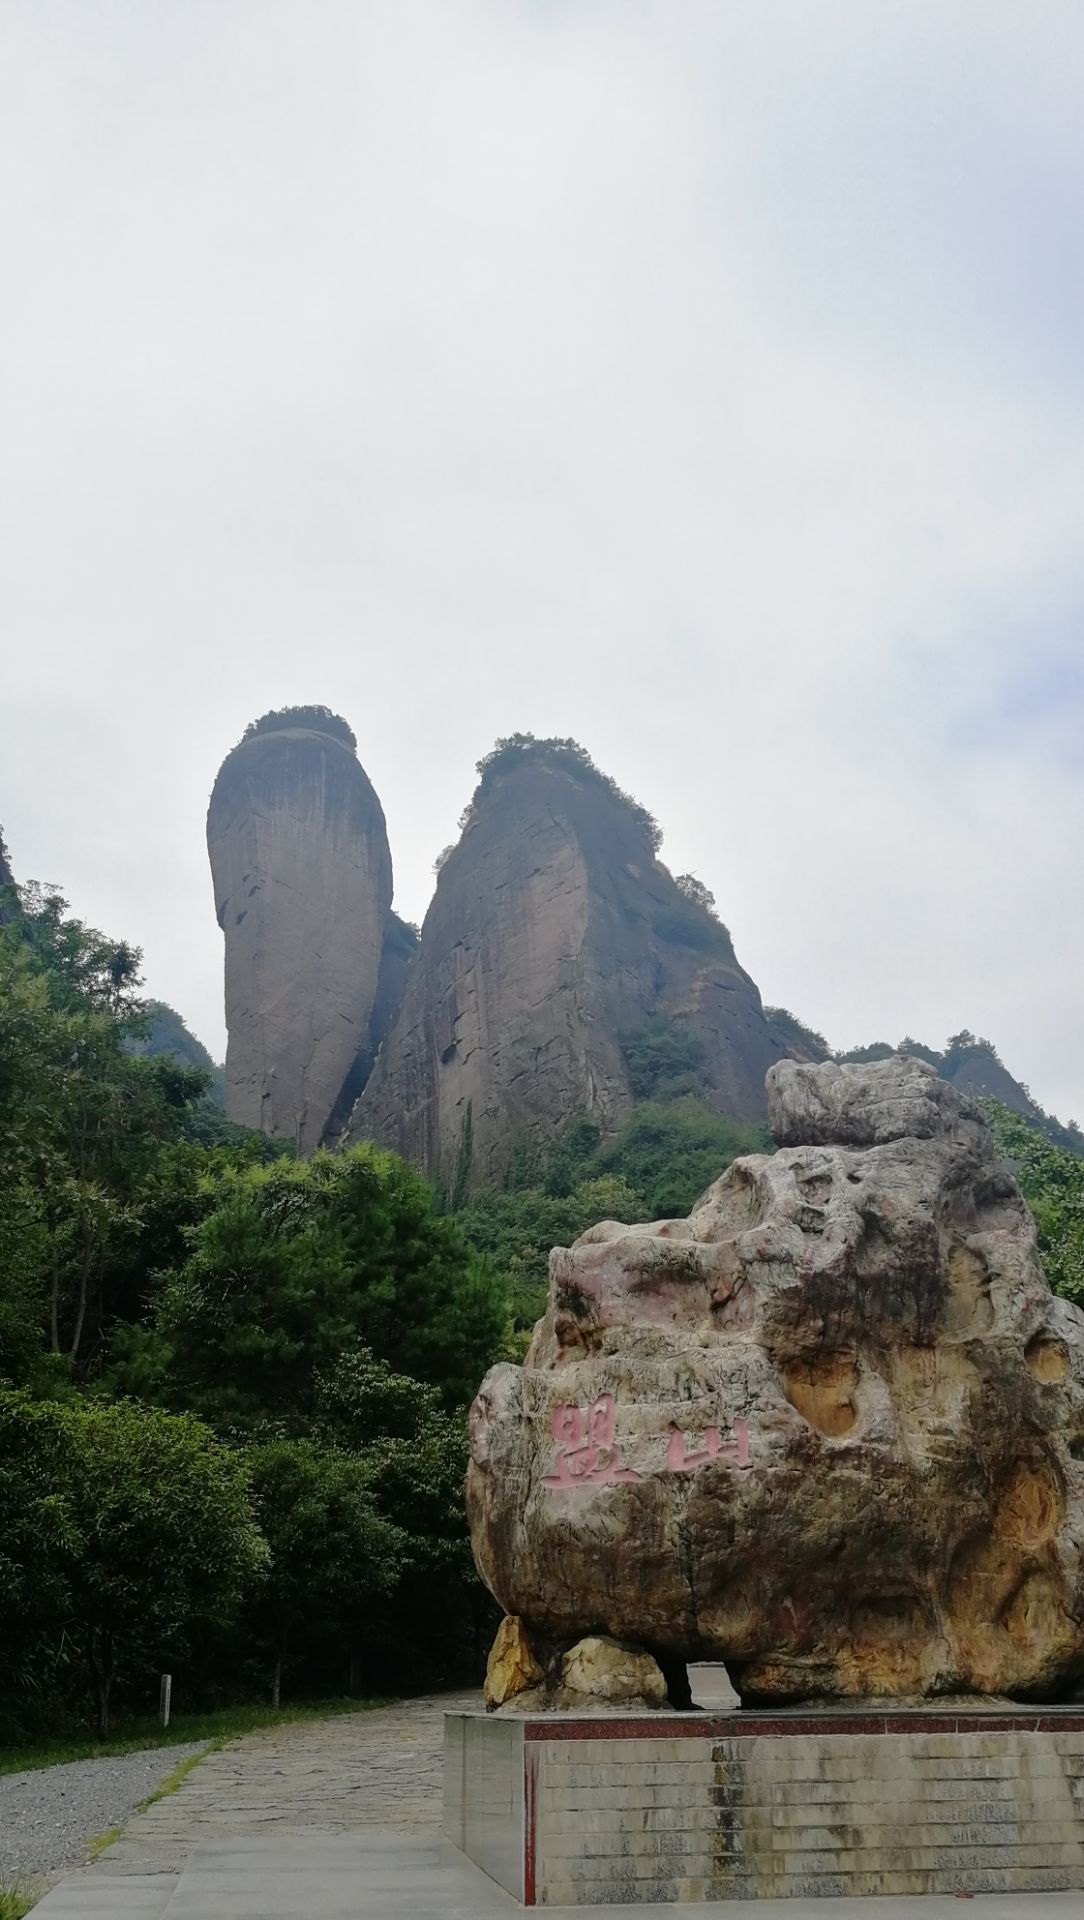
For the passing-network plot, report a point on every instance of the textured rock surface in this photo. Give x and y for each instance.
(511, 1666)
(302, 878)
(611, 1674)
(829, 1429)
(594, 1675)
(554, 931)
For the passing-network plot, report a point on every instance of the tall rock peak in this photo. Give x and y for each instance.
(555, 935)
(303, 883)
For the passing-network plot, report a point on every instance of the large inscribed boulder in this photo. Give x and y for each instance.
(829, 1429)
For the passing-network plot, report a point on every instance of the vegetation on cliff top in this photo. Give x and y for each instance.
(313, 719)
(524, 749)
(966, 1049)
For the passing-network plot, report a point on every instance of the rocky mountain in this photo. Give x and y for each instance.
(303, 880)
(975, 1068)
(562, 970)
(167, 1032)
(556, 939)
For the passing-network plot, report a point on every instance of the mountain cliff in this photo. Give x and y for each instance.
(555, 946)
(562, 970)
(303, 880)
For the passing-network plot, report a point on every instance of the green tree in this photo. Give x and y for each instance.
(81, 1125)
(657, 1166)
(37, 1545)
(414, 1456)
(663, 1060)
(135, 1526)
(298, 1262)
(166, 1534)
(332, 1555)
(672, 1152)
(1052, 1181)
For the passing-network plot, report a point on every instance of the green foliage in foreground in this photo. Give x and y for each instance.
(293, 1265)
(661, 1161)
(1052, 1180)
(17, 1897)
(232, 1386)
(125, 1528)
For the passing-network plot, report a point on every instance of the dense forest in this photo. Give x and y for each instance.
(233, 1384)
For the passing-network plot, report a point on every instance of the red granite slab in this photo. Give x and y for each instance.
(749, 1726)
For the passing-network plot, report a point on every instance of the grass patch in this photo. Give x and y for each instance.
(136, 1736)
(180, 1772)
(169, 1785)
(17, 1897)
(101, 1841)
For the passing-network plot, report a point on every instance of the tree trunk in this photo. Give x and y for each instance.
(276, 1682)
(105, 1681)
(355, 1672)
(54, 1314)
(101, 1659)
(81, 1311)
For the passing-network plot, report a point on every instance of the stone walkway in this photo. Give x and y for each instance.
(357, 1773)
(350, 1774)
(339, 1819)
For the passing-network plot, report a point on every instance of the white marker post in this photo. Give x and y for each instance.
(165, 1691)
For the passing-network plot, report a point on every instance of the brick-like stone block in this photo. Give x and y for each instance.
(655, 1818)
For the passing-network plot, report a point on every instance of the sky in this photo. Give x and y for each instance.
(701, 380)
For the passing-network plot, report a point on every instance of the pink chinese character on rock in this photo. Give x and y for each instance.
(566, 1426)
(680, 1460)
(592, 1462)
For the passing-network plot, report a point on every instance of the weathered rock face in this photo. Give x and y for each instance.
(512, 1666)
(594, 1675)
(829, 1429)
(302, 877)
(554, 932)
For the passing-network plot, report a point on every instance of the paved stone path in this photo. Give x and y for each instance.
(284, 1794)
(338, 1819)
(348, 1774)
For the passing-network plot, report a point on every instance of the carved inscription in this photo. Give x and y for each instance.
(586, 1451)
(710, 1447)
(586, 1454)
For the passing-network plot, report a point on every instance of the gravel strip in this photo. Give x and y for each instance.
(49, 1817)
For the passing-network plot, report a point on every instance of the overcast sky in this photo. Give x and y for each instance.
(703, 379)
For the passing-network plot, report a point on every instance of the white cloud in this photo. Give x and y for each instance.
(693, 380)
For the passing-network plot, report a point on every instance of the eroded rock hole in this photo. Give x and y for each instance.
(1048, 1359)
(821, 1388)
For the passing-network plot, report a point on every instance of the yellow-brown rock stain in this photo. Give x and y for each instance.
(1048, 1360)
(968, 1306)
(821, 1387)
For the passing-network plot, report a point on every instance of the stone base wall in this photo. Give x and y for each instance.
(581, 1812)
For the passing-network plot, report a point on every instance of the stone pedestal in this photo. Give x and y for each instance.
(565, 1811)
